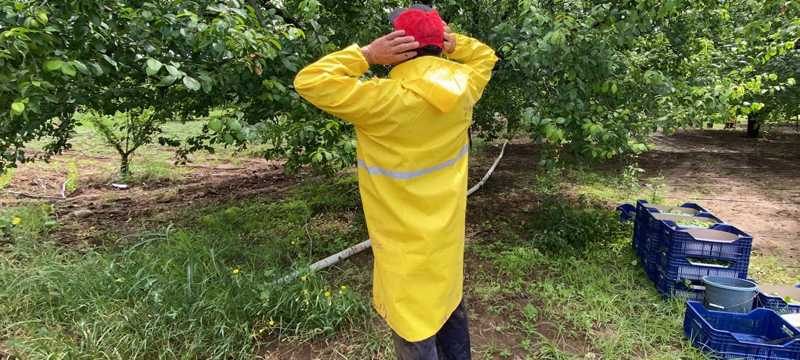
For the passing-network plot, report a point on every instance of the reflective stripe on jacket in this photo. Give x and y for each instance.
(412, 150)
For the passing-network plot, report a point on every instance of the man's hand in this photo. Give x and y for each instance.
(449, 40)
(390, 49)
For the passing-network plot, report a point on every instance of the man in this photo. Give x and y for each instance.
(412, 168)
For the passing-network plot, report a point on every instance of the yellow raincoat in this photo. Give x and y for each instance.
(412, 169)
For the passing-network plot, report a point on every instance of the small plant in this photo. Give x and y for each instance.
(549, 180)
(519, 260)
(309, 306)
(71, 184)
(337, 195)
(6, 177)
(656, 187)
(125, 131)
(630, 176)
(24, 222)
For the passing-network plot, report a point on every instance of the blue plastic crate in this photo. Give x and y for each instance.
(683, 242)
(678, 289)
(644, 216)
(684, 255)
(627, 212)
(656, 240)
(759, 334)
(678, 268)
(641, 214)
(776, 303)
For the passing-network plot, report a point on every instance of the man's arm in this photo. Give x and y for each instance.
(333, 83)
(478, 56)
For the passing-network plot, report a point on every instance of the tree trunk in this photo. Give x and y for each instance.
(124, 166)
(753, 126)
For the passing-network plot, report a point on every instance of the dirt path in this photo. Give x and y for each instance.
(97, 207)
(753, 184)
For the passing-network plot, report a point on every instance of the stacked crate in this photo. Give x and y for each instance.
(677, 256)
(759, 334)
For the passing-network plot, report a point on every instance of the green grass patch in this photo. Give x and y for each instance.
(772, 270)
(144, 170)
(573, 272)
(330, 194)
(204, 290)
(6, 177)
(613, 185)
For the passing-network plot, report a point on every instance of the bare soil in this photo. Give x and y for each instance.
(96, 207)
(753, 184)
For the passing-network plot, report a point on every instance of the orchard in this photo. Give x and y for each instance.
(164, 186)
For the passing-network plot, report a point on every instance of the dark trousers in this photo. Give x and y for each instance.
(450, 343)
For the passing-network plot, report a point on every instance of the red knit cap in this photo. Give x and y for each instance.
(426, 27)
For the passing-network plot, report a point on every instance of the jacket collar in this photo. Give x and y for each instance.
(439, 81)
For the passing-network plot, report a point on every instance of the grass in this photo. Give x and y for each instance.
(568, 284)
(200, 291)
(572, 272)
(6, 177)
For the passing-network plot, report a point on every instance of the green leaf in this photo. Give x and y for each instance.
(41, 15)
(207, 82)
(153, 66)
(530, 312)
(191, 83)
(234, 125)
(173, 70)
(167, 80)
(17, 107)
(81, 67)
(215, 125)
(68, 69)
(111, 61)
(98, 70)
(53, 65)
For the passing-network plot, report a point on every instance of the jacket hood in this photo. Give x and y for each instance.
(440, 82)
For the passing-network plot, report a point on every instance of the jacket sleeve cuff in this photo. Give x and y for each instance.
(357, 64)
(462, 50)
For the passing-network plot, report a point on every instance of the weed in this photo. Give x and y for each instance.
(71, 183)
(577, 274)
(561, 226)
(769, 270)
(519, 260)
(630, 176)
(478, 145)
(154, 171)
(655, 188)
(6, 177)
(204, 291)
(24, 222)
(548, 181)
(330, 195)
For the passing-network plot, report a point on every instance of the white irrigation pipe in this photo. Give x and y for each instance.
(355, 249)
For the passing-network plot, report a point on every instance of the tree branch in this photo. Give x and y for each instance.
(282, 13)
